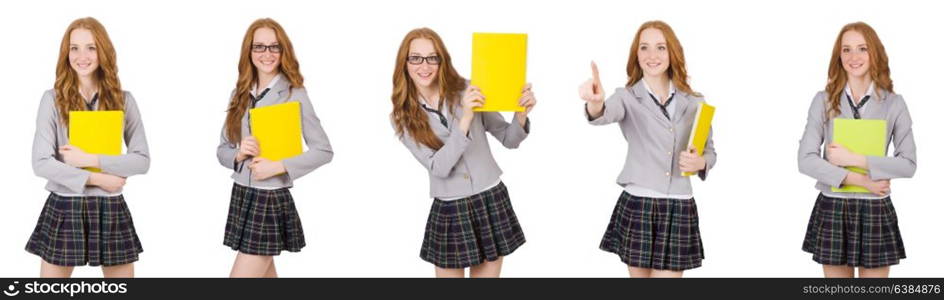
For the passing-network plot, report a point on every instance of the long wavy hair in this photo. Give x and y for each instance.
(878, 67)
(677, 71)
(288, 65)
(407, 115)
(110, 96)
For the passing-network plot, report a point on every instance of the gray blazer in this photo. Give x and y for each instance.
(66, 179)
(654, 141)
(890, 107)
(319, 149)
(464, 165)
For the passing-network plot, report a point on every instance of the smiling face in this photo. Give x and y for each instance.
(83, 54)
(266, 62)
(424, 73)
(653, 52)
(854, 54)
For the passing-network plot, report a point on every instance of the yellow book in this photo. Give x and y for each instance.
(278, 128)
(700, 129)
(866, 137)
(97, 132)
(498, 68)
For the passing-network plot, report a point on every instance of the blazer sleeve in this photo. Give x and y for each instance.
(46, 149)
(509, 134)
(809, 156)
(440, 162)
(226, 150)
(709, 154)
(614, 110)
(137, 160)
(905, 160)
(319, 148)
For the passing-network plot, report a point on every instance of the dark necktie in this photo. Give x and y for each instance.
(662, 106)
(442, 118)
(91, 104)
(256, 99)
(855, 108)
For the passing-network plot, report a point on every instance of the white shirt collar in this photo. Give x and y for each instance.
(669, 108)
(272, 83)
(870, 92)
(671, 88)
(444, 112)
(423, 99)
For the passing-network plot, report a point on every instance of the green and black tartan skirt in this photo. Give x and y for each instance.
(263, 222)
(92, 230)
(655, 233)
(469, 231)
(854, 232)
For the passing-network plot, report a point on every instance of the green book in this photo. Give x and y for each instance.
(866, 137)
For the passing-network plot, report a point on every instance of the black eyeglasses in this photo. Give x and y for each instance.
(259, 48)
(416, 59)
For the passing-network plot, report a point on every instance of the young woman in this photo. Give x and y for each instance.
(471, 223)
(848, 230)
(654, 227)
(262, 217)
(85, 219)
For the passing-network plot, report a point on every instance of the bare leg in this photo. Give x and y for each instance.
(449, 273)
(666, 274)
(119, 271)
(635, 272)
(488, 269)
(271, 272)
(49, 270)
(248, 265)
(881, 272)
(834, 271)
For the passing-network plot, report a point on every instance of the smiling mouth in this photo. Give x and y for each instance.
(855, 66)
(425, 75)
(653, 65)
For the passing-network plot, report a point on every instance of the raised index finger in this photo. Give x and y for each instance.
(596, 74)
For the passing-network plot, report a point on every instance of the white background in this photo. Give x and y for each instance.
(364, 213)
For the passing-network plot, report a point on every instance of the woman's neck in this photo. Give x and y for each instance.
(88, 86)
(264, 80)
(859, 86)
(659, 85)
(429, 95)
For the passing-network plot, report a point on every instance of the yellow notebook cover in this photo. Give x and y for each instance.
(278, 128)
(700, 129)
(97, 132)
(866, 137)
(498, 68)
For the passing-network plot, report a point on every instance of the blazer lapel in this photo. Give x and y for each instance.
(875, 105)
(845, 111)
(281, 88)
(682, 106)
(642, 95)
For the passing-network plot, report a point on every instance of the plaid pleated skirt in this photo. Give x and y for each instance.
(263, 222)
(92, 230)
(854, 232)
(469, 231)
(655, 233)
